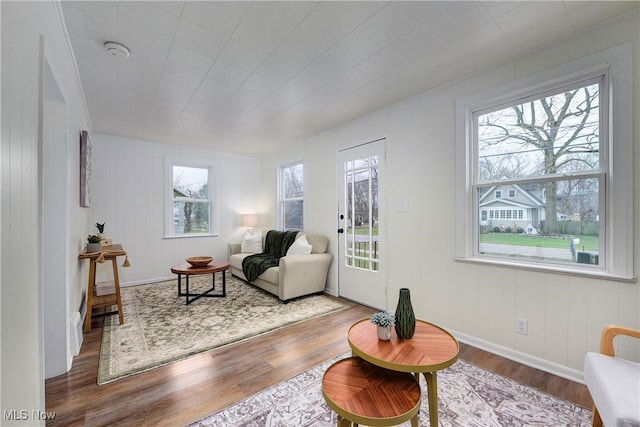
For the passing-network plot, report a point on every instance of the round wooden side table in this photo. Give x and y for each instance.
(363, 393)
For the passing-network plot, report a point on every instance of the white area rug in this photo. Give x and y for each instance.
(469, 396)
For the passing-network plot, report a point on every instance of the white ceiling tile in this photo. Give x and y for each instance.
(243, 100)
(148, 18)
(241, 56)
(222, 73)
(429, 10)
(200, 108)
(198, 40)
(322, 26)
(460, 19)
(188, 60)
(324, 68)
(346, 83)
(382, 62)
(88, 25)
(219, 17)
(472, 47)
(260, 85)
(171, 6)
(275, 70)
(389, 24)
(418, 42)
(499, 8)
(287, 96)
(142, 44)
(206, 100)
(138, 77)
(104, 9)
(298, 52)
(532, 25)
(351, 50)
(281, 11)
(173, 90)
(261, 34)
(587, 13)
(182, 77)
(350, 12)
(214, 93)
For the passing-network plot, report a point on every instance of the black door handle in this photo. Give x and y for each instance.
(340, 230)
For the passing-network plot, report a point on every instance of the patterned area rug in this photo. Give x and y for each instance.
(468, 396)
(160, 328)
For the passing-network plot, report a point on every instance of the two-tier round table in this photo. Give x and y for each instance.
(430, 349)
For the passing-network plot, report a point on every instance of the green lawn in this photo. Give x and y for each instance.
(587, 243)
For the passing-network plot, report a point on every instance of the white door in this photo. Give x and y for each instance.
(361, 224)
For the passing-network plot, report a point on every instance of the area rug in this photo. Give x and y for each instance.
(160, 328)
(468, 396)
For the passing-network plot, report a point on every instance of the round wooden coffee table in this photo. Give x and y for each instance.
(212, 268)
(430, 349)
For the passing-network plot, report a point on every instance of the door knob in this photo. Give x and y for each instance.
(340, 230)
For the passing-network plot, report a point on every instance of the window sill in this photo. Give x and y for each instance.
(596, 274)
(190, 236)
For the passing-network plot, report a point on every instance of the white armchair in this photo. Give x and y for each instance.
(614, 383)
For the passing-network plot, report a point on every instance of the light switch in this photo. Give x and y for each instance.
(401, 207)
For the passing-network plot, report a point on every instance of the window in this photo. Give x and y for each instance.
(190, 195)
(539, 152)
(292, 197)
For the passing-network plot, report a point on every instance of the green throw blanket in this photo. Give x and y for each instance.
(276, 245)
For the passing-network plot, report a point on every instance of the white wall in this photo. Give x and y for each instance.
(128, 194)
(479, 303)
(31, 33)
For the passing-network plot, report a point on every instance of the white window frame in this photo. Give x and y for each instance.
(282, 200)
(617, 255)
(169, 231)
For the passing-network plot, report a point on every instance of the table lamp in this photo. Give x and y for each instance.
(249, 221)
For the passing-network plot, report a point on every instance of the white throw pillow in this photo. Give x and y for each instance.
(300, 247)
(251, 243)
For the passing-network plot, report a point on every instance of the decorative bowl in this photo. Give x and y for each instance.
(199, 261)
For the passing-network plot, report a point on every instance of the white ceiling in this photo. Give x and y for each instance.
(250, 77)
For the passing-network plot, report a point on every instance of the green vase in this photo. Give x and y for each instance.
(405, 317)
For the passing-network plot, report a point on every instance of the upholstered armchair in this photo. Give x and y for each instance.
(614, 383)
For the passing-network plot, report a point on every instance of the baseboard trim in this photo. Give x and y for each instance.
(525, 359)
(147, 281)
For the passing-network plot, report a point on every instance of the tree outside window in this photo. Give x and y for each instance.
(292, 197)
(191, 200)
(548, 147)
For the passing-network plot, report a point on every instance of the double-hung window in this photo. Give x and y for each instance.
(292, 196)
(190, 199)
(539, 155)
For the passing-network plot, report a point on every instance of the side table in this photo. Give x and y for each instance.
(212, 268)
(111, 252)
(429, 350)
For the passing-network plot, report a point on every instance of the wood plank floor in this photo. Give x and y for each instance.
(186, 391)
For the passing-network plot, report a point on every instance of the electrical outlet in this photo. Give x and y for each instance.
(522, 326)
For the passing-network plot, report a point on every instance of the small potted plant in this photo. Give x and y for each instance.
(384, 322)
(93, 243)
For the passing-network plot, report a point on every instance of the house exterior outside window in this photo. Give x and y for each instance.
(291, 195)
(190, 199)
(538, 155)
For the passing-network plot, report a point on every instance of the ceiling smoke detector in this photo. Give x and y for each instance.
(117, 49)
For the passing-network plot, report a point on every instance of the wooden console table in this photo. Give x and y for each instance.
(111, 252)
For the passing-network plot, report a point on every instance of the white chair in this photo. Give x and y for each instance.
(614, 383)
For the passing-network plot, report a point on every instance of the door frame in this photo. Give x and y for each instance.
(384, 240)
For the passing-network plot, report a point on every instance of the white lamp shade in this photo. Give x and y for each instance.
(249, 220)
